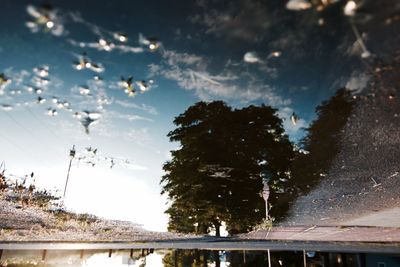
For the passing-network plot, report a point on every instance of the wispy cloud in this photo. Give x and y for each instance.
(107, 40)
(240, 20)
(112, 114)
(232, 82)
(174, 58)
(108, 48)
(126, 104)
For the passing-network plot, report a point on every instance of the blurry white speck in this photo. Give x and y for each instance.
(41, 71)
(121, 37)
(294, 118)
(84, 90)
(49, 24)
(276, 54)
(6, 107)
(51, 112)
(41, 100)
(350, 8)
(251, 57)
(366, 54)
(298, 5)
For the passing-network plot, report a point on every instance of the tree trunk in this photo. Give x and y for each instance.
(217, 226)
(205, 256)
(216, 258)
(217, 231)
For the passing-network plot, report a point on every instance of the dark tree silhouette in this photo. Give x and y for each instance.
(216, 175)
(322, 144)
(194, 258)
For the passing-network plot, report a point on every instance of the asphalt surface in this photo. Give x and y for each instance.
(364, 178)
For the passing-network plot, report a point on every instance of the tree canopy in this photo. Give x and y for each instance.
(217, 173)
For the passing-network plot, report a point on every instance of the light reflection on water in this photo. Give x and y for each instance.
(81, 258)
(192, 258)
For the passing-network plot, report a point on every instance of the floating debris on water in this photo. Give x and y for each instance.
(123, 38)
(394, 174)
(77, 115)
(40, 81)
(15, 92)
(97, 78)
(35, 90)
(51, 112)
(375, 183)
(84, 90)
(86, 122)
(151, 43)
(41, 71)
(350, 8)
(251, 57)
(40, 100)
(85, 63)
(45, 19)
(298, 5)
(6, 107)
(88, 118)
(127, 85)
(276, 54)
(4, 81)
(105, 45)
(143, 86)
(294, 118)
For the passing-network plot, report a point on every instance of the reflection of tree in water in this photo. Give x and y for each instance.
(216, 174)
(203, 258)
(320, 147)
(194, 258)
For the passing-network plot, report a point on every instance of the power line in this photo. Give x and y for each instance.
(31, 133)
(22, 149)
(42, 122)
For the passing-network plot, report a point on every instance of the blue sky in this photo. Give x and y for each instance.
(295, 64)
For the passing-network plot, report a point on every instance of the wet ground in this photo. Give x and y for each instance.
(364, 178)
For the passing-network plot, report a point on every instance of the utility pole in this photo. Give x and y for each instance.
(71, 157)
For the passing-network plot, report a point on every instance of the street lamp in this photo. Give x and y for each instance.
(266, 176)
(71, 157)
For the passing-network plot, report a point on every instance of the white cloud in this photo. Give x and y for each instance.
(357, 82)
(291, 129)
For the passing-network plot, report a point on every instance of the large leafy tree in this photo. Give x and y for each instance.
(217, 173)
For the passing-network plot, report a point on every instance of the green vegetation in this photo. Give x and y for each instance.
(217, 174)
(226, 157)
